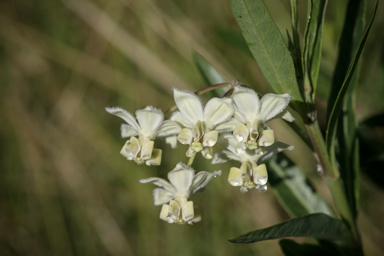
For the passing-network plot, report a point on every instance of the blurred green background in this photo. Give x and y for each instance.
(64, 187)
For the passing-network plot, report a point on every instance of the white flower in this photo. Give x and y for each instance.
(148, 125)
(253, 113)
(200, 124)
(183, 183)
(250, 174)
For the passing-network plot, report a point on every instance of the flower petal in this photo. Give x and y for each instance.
(189, 105)
(164, 214)
(235, 177)
(227, 126)
(272, 105)
(159, 182)
(260, 175)
(168, 128)
(267, 138)
(185, 136)
(187, 211)
(146, 150)
(286, 115)
(162, 196)
(181, 178)
(131, 148)
(149, 120)
(171, 140)
(210, 138)
(201, 180)
(207, 153)
(221, 157)
(217, 111)
(247, 102)
(125, 115)
(128, 131)
(155, 158)
(240, 133)
(174, 210)
(274, 149)
(181, 120)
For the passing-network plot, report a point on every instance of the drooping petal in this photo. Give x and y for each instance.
(274, 149)
(181, 120)
(235, 177)
(189, 105)
(128, 131)
(181, 178)
(125, 115)
(221, 157)
(240, 133)
(164, 214)
(155, 158)
(149, 120)
(260, 175)
(146, 150)
(185, 136)
(210, 138)
(272, 105)
(267, 138)
(171, 140)
(247, 102)
(201, 180)
(168, 128)
(227, 126)
(187, 211)
(131, 148)
(159, 182)
(162, 196)
(217, 111)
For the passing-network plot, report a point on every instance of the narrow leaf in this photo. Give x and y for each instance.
(332, 121)
(267, 47)
(316, 225)
(293, 189)
(312, 46)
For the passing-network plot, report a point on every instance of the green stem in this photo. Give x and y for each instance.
(332, 177)
(190, 161)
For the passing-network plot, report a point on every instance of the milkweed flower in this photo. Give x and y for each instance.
(251, 174)
(148, 124)
(182, 184)
(201, 125)
(253, 113)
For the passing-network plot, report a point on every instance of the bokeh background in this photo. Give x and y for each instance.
(64, 187)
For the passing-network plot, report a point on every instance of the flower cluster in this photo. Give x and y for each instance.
(238, 123)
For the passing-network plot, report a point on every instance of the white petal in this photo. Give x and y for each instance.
(221, 157)
(174, 210)
(267, 138)
(227, 126)
(155, 158)
(181, 178)
(274, 149)
(272, 105)
(131, 148)
(181, 120)
(128, 131)
(247, 102)
(286, 115)
(164, 214)
(210, 138)
(235, 177)
(171, 140)
(201, 180)
(185, 136)
(146, 150)
(159, 182)
(189, 105)
(240, 133)
(260, 175)
(149, 120)
(187, 211)
(198, 131)
(168, 128)
(238, 116)
(128, 117)
(207, 153)
(217, 111)
(161, 196)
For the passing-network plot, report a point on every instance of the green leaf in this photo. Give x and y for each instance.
(291, 248)
(267, 47)
(332, 121)
(312, 46)
(294, 190)
(316, 225)
(348, 144)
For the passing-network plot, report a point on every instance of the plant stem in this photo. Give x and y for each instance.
(190, 161)
(332, 177)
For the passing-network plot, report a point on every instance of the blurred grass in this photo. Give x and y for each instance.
(64, 188)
